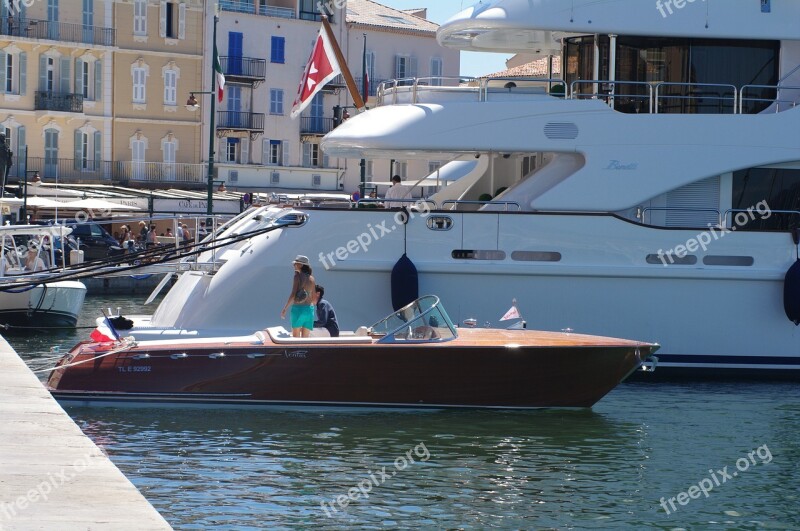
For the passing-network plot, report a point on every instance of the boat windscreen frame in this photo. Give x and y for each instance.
(431, 325)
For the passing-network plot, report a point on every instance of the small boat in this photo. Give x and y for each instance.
(414, 358)
(30, 298)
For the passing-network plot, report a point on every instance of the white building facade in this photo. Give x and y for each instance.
(264, 47)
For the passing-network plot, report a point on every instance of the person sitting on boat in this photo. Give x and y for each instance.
(396, 191)
(301, 298)
(34, 262)
(326, 317)
(151, 237)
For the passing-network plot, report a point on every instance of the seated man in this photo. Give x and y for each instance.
(325, 316)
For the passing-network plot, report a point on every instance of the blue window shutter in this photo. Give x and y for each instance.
(78, 151)
(42, 73)
(98, 149)
(65, 78)
(23, 72)
(278, 50)
(98, 79)
(21, 143)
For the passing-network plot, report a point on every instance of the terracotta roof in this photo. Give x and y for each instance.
(373, 14)
(536, 68)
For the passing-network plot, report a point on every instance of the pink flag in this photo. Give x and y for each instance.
(512, 313)
(322, 67)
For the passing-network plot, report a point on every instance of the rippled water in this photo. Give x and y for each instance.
(604, 468)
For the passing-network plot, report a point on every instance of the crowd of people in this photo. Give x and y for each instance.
(147, 235)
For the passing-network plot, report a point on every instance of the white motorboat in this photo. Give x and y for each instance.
(29, 298)
(651, 193)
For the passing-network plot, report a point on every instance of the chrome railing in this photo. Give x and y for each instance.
(457, 202)
(623, 96)
(775, 100)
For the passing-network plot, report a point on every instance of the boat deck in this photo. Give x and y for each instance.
(53, 476)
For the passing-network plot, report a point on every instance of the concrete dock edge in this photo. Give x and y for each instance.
(52, 476)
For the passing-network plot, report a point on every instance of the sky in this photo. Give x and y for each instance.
(472, 63)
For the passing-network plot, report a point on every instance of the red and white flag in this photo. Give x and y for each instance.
(220, 75)
(512, 313)
(104, 332)
(322, 67)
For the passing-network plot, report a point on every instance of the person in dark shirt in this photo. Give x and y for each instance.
(326, 317)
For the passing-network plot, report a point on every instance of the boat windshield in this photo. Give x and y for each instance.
(423, 321)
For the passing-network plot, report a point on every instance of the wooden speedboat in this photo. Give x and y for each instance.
(414, 358)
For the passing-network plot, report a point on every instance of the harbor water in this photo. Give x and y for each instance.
(686, 455)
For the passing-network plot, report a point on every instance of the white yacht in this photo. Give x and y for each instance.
(653, 192)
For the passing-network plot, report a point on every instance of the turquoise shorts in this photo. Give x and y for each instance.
(302, 316)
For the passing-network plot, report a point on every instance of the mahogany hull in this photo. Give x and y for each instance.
(445, 375)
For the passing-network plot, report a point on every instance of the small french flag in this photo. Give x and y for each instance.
(104, 332)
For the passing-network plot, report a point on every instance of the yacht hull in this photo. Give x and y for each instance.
(52, 305)
(521, 369)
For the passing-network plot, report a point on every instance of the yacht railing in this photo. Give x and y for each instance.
(397, 203)
(778, 102)
(607, 91)
(457, 202)
(624, 96)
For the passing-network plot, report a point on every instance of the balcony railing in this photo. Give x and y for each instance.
(57, 31)
(89, 170)
(58, 101)
(314, 125)
(52, 169)
(249, 121)
(247, 6)
(243, 67)
(160, 172)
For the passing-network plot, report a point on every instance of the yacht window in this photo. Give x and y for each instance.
(772, 197)
(671, 259)
(741, 261)
(469, 254)
(535, 256)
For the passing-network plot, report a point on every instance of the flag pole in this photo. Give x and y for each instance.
(348, 77)
(365, 89)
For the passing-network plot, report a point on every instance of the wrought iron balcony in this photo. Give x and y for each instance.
(243, 68)
(172, 172)
(58, 101)
(57, 31)
(315, 125)
(240, 121)
(53, 169)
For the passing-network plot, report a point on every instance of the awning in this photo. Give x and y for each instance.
(96, 204)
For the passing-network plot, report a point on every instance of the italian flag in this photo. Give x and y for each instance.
(219, 74)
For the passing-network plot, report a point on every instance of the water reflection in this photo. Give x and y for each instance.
(277, 467)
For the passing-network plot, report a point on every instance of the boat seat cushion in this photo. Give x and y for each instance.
(279, 334)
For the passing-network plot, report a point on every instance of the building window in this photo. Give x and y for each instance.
(83, 72)
(170, 87)
(275, 178)
(9, 72)
(170, 22)
(436, 71)
(311, 155)
(433, 166)
(275, 155)
(50, 74)
(316, 180)
(140, 17)
(405, 67)
(139, 80)
(401, 169)
(278, 50)
(276, 101)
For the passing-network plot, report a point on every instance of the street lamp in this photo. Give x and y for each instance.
(192, 105)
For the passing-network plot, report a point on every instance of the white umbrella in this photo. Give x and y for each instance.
(42, 202)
